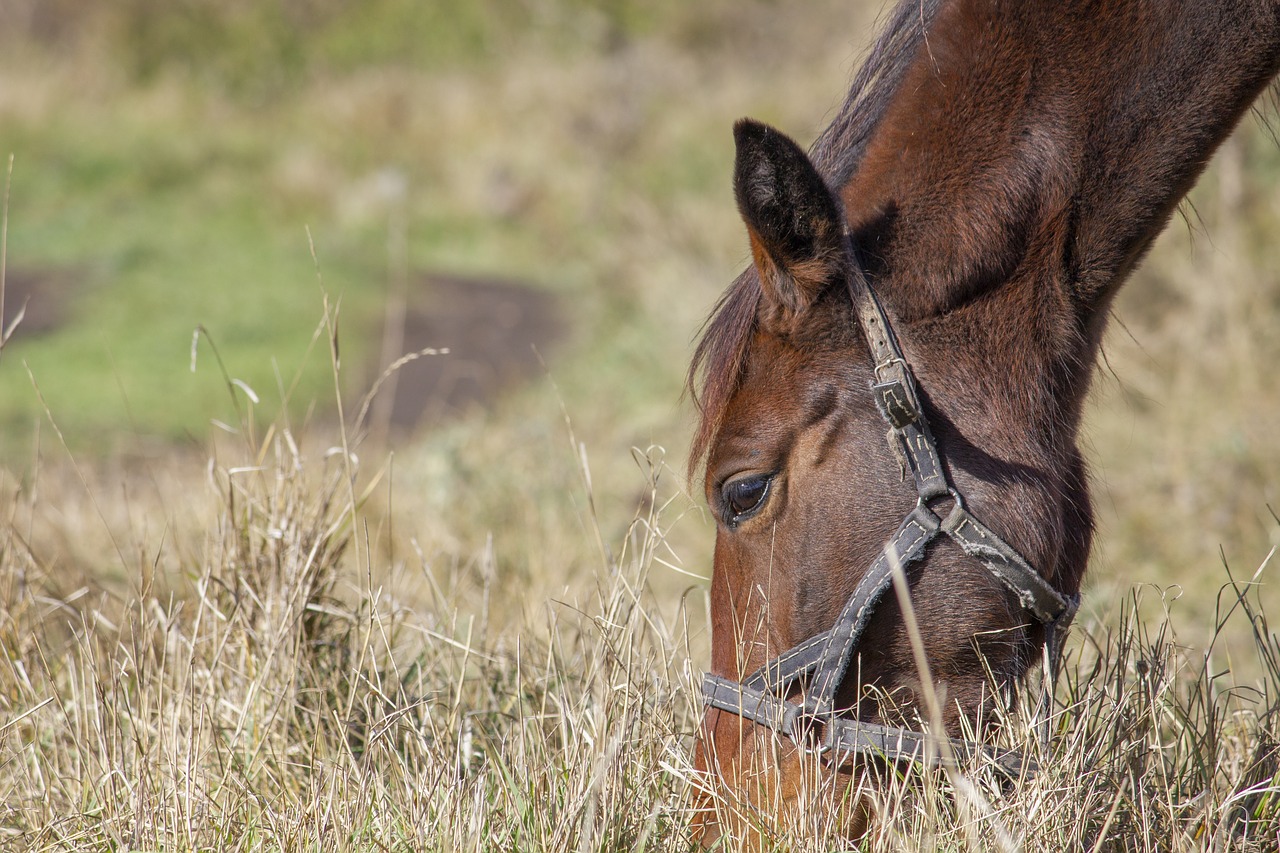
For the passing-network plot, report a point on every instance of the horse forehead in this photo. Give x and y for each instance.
(783, 389)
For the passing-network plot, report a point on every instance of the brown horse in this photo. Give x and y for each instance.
(996, 172)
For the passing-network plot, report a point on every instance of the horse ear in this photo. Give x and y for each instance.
(793, 220)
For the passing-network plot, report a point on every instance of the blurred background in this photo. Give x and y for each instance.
(543, 188)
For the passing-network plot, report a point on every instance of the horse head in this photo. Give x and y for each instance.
(950, 245)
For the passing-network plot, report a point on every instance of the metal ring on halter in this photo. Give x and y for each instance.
(799, 725)
(923, 503)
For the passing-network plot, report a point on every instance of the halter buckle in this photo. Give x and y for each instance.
(894, 395)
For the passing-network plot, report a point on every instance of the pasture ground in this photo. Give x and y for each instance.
(230, 622)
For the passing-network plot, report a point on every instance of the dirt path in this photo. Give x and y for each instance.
(494, 330)
(46, 295)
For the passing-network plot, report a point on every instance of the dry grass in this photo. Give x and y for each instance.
(1186, 412)
(488, 640)
(264, 684)
(283, 671)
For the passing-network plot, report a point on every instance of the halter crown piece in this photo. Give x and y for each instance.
(815, 724)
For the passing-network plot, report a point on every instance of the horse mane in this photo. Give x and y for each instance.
(718, 361)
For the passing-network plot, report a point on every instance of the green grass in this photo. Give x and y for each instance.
(546, 145)
(160, 232)
(173, 205)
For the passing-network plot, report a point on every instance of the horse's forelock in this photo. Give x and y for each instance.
(716, 369)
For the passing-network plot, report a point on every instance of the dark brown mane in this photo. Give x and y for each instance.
(716, 368)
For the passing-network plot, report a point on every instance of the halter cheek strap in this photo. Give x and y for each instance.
(814, 724)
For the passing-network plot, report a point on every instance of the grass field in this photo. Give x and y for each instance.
(268, 634)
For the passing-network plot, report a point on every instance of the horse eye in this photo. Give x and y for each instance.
(743, 497)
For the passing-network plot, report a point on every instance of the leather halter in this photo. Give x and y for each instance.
(814, 724)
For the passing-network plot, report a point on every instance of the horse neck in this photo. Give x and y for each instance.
(1033, 151)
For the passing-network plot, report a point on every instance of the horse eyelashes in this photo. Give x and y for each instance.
(743, 497)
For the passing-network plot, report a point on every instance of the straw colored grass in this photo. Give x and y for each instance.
(490, 640)
(271, 675)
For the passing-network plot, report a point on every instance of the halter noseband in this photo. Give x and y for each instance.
(814, 724)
